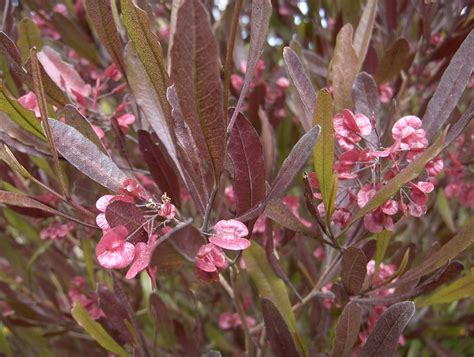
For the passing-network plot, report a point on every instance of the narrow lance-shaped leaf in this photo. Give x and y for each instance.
(149, 51)
(364, 30)
(29, 36)
(86, 156)
(323, 152)
(96, 331)
(302, 84)
(195, 72)
(354, 269)
(442, 206)
(366, 96)
(392, 61)
(460, 289)
(343, 69)
(383, 340)
(281, 214)
(383, 240)
(407, 174)
(101, 15)
(246, 154)
(20, 200)
(259, 22)
(292, 165)
(278, 334)
(23, 117)
(347, 330)
(451, 87)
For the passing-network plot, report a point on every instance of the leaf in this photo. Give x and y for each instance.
(323, 152)
(460, 289)
(343, 69)
(450, 250)
(269, 285)
(19, 200)
(149, 100)
(246, 154)
(450, 89)
(195, 72)
(292, 165)
(161, 171)
(442, 205)
(162, 320)
(364, 30)
(23, 117)
(366, 96)
(74, 118)
(440, 277)
(302, 84)
(86, 156)
(96, 331)
(407, 174)
(101, 16)
(73, 36)
(278, 334)
(259, 22)
(383, 340)
(383, 240)
(392, 61)
(63, 74)
(8, 47)
(278, 212)
(268, 142)
(192, 169)
(129, 215)
(347, 330)
(29, 36)
(149, 51)
(458, 127)
(115, 313)
(354, 270)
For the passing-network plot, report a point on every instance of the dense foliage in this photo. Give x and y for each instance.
(262, 178)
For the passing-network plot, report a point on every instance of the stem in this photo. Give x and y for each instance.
(230, 52)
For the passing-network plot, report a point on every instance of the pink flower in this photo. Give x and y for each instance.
(125, 120)
(349, 128)
(230, 235)
(102, 204)
(385, 92)
(237, 82)
(98, 131)
(435, 166)
(365, 195)
(210, 258)
(259, 226)
(408, 134)
(229, 196)
(228, 320)
(346, 163)
(319, 254)
(77, 293)
(113, 251)
(283, 82)
(113, 73)
(56, 230)
(327, 303)
(29, 101)
(142, 257)
(377, 221)
(167, 210)
(130, 187)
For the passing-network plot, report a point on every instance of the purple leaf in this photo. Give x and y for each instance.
(392, 61)
(129, 215)
(450, 88)
(162, 319)
(303, 86)
(259, 21)
(354, 269)
(366, 96)
(195, 73)
(84, 155)
(281, 214)
(246, 154)
(161, 171)
(383, 340)
(279, 336)
(458, 127)
(347, 330)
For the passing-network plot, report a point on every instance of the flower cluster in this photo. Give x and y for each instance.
(210, 258)
(364, 167)
(115, 250)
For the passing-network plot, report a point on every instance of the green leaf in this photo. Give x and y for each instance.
(323, 152)
(442, 205)
(29, 36)
(460, 289)
(23, 117)
(96, 331)
(409, 173)
(383, 240)
(364, 30)
(89, 260)
(343, 69)
(392, 61)
(268, 284)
